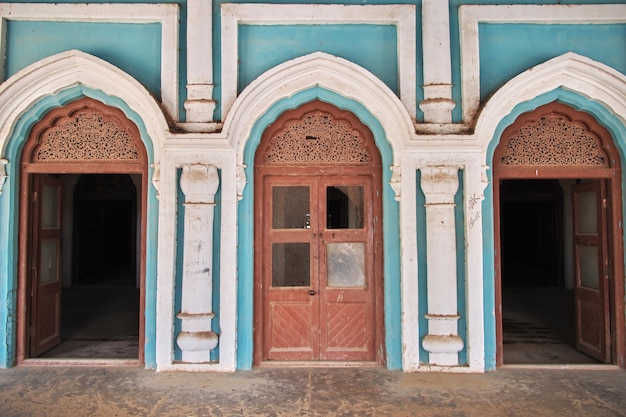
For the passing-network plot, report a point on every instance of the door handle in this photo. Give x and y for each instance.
(311, 292)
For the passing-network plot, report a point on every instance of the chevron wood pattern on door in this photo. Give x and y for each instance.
(346, 327)
(291, 326)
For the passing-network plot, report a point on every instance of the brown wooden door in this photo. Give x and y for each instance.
(45, 264)
(318, 269)
(592, 272)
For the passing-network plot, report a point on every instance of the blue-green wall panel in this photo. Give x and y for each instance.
(217, 39)
(461, 287)
(371, 46)
(455, 37)
(507, 50)
(134, 48)
(422, 266)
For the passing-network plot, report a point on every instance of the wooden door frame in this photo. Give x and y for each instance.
(613, 177)
(30, 167)
(261, 171)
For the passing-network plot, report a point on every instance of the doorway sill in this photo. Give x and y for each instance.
(79, 362)
(318, 364)
(572, 366)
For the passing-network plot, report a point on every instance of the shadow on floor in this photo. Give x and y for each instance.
(539, 327)
(98, 321)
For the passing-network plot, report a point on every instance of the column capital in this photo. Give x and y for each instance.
(439, 183)
(199, 183)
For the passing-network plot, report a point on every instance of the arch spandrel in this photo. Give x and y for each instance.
(319, 70)
(576, 73)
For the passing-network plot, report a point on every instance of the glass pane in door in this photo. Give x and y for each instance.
(344, 207)
(49, 207)
(290, 207)
(49, 261)
(291, 265)
(346, 264)
(589, 267)
(587, 216)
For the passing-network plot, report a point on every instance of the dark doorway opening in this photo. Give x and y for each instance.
(538, 300)
(100, 296)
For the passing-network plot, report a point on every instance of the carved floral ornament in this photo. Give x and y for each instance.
(85, 131)
(86, 136)
(554, 140)
(318, 139)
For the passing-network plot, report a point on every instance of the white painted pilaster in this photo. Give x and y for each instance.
(199, 183)
(410, 292)
(199, 104)
(475, 181)
(437, 104)
(440, 184)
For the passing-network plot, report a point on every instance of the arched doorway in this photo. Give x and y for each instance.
(84, 151)
(318, 240)
(559, 252)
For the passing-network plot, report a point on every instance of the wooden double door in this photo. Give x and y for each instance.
(318, 260)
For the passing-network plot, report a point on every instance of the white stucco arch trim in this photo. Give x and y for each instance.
(68, 69)
(573, 72)
(319, 70)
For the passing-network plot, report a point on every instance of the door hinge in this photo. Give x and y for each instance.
(604, 204)
(34, 196)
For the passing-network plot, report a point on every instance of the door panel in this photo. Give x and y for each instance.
(45, 271)
(290, 270)
(591, 263)
(318, 268)
(347, 270)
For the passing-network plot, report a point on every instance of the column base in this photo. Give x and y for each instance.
(443, 350)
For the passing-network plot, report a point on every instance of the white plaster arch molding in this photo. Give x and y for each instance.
(331, 73)
(570, 71)
(70, 68)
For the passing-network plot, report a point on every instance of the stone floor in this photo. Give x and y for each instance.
(119, 392)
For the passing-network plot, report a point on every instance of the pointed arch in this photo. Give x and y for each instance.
(68, 69)
(574, 80)
(572, 72)
(328, 72)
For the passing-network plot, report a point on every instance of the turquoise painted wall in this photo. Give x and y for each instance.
(370, 46)
(356, 51)
(391, 232)
(495, 75)
(507, 50)
(134, 48)
(548, 48)
(422, 265)
(9, 212)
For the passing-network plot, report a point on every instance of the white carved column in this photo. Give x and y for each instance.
(439, 185)
(199, 183)
(199, 104)
(437, 104)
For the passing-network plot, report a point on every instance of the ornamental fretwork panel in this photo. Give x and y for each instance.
(85, 131)
(554, 140)
(317, 138)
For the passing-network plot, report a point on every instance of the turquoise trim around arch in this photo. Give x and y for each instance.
(391, 231)
(9, 210)
(606, 118)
